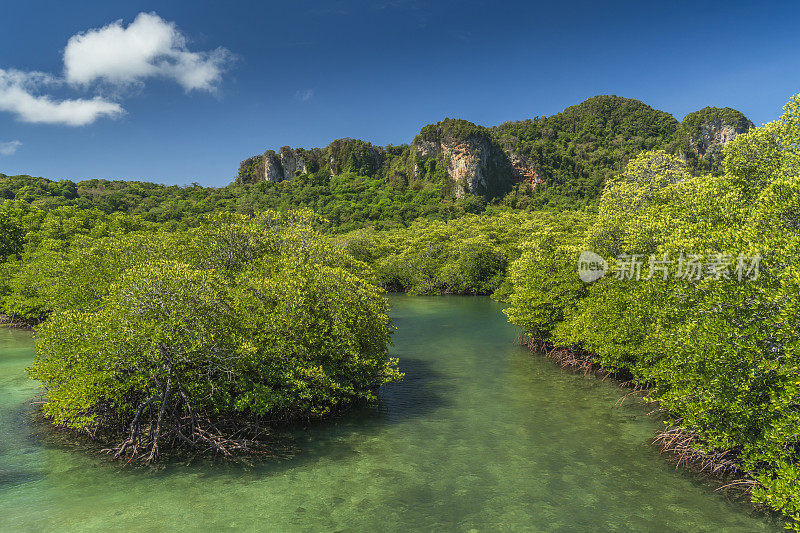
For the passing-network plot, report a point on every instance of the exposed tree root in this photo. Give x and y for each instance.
(198, 434)
(168, 421)
(567, 357)
(18, 322)
(681, 445)
(686, 449)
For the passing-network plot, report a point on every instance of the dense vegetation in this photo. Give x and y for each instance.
(202, 339)
(718, 346)
(346, 201)
(129, 276)
(469, 255)
(586, 144)
(352, 184)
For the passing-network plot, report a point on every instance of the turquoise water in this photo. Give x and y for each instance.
(480, 436)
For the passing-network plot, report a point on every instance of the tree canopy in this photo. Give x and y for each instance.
(201, 339)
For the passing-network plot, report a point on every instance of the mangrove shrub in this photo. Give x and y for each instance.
(211, 336)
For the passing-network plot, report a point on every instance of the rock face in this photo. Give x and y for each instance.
(272, 166)
(291, 162)
(273, 170)
(525, 170)
(466, 162)
(707, 131)
(472, 159)
(477, 165)
(466, 156)
(713, 136)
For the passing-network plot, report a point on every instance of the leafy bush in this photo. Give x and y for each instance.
(468, 255)
(210, 335)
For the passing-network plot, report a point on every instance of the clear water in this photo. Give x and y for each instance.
(480, 436)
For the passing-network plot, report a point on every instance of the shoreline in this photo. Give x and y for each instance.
(676, 442)
(17, 322)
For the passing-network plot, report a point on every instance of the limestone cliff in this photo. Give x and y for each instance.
(272, 166)
(468, 155)
(560, 160)
(291, 162)
(339, 157)
(465, 162)
(713, 136)
(473, 161)
(706, 132)
(525, 170)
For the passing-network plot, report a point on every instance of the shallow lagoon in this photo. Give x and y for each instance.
(479, 436)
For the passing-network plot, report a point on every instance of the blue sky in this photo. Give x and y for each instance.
(192, 88)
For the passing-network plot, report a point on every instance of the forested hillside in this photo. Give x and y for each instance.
(577, 150)
(555, 162)
(450, 169)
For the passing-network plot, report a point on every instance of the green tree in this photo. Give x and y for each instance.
(210, 336)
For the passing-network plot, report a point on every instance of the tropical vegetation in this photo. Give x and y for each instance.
(197, 318)
(708, 322)
(204, 339)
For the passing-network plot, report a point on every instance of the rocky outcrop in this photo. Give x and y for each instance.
(466, 162)
(273, 170)
(707, 131)
(272, 166)
(712, 138)
(525, 170)
(472, 159)
(291, 162)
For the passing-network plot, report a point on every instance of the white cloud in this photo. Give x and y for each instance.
(9, 148)
(148, 47)
(304, 94)
(18, 96)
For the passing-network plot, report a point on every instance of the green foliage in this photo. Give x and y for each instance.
(34, 277)
(183, 334)
(467, 255)
(543, 284)
(453, 129)
(354, 156)
(249, 170)
(346, 201)
(577, 150)
(12, 232)
(721, 356)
